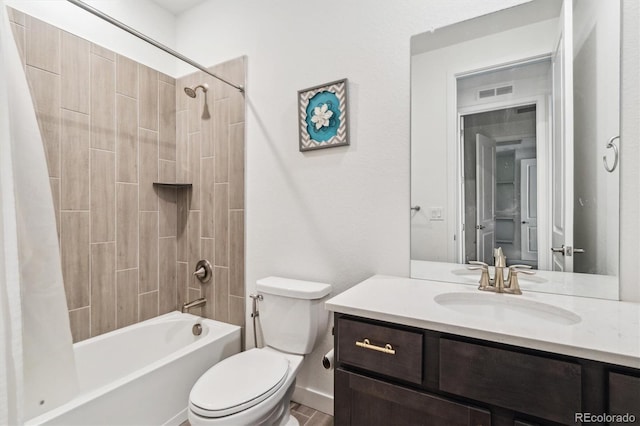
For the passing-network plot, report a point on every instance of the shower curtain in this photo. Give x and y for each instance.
(37, 369)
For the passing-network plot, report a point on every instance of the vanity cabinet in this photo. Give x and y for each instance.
(390, 374)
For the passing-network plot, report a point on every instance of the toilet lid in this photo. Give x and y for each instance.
(238, 382)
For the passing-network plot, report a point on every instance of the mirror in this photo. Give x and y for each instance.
(511, 116)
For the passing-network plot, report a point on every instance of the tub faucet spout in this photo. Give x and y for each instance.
(194, 304)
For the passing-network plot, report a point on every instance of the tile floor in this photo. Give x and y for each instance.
(305, 415)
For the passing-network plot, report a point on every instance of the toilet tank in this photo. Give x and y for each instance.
(292, 314)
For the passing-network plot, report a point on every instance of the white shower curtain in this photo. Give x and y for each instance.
(37, 369)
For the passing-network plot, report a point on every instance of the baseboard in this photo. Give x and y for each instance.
(314, 399)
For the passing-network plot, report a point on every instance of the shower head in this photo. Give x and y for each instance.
(191, 92)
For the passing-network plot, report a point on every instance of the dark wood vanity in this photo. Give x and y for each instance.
(402, 375)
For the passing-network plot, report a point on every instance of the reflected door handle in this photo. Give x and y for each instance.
(578, 250)
(524, 222)
(480, 227)
(558, 250)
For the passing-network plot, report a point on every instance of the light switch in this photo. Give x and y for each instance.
(437, 213)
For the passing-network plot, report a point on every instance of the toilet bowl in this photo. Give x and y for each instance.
(255, 387)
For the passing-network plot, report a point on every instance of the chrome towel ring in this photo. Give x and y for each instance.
(609, 145)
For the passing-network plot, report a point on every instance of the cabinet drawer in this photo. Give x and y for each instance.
(624, 394)
(535, 385)
(403, 360)
(364, 401)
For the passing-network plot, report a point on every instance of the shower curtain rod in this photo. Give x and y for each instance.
(151, 41)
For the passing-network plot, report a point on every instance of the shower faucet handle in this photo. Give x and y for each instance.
(203, 271)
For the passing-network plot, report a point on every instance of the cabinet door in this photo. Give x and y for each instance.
(361, 400)
(624, 395)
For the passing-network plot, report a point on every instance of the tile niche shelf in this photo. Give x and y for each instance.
(172, 185)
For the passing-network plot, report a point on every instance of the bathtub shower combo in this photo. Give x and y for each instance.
(142, 374)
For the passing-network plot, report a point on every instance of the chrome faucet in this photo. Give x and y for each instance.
(193, 304)
(498, 283)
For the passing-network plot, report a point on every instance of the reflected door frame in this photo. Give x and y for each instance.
(543, 151)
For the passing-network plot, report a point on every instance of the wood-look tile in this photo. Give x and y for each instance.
(167, 275)
(148, 142)
(16, 16)
(167, 171)
(148, 280)
(45, 92)
(236, 166)
(74, 248)
(195, 105)
(126, 76)
(236, 310)
(167, 199)
(207, 192)
(193, 245)
(76, 140)
(148, 97)
(182, 100)
(43, 45)
(103, 103)
(236, 107)
(236, 253)
(75, 72)
(55, 194)
(167, 125)
(221, 276)
(207, 127)
(221, 140)
(207, 249)
(221, 90)
(127, 225)
(221, 224)
(182, 148)
(167, 79)
(103, 52)
(127, 299)
(182, 220)
(103, 288)
(194, 170)
(80, 323)
(182, 282)
(126, 139)
(320, 419)
(148, 303)
(103, 196)
(20, 36)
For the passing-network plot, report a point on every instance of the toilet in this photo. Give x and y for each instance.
(255, 387)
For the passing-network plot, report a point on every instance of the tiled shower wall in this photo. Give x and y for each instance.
(109, 131)
(210, 155)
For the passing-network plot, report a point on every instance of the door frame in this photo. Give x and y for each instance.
(543, 147)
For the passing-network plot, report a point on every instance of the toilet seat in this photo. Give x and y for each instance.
(238, 383)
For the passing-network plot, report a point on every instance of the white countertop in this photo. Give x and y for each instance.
(569, 283)
(608, 331)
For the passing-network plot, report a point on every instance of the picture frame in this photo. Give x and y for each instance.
(323, 116)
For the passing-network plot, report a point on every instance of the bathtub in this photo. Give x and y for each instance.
(142, 374)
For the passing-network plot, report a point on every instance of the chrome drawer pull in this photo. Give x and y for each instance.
(387, 349)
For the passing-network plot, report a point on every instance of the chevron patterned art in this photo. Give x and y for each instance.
(323, 116)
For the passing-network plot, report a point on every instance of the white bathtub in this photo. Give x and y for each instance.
(142, 374)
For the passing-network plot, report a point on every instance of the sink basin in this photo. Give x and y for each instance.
(504, 307)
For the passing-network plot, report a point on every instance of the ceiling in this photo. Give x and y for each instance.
(176, 7)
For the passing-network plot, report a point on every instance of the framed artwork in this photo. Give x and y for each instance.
(323, 116)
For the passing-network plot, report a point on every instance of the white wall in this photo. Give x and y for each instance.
(433, 164)
(337, 215)
(630, 153)
(142, 15)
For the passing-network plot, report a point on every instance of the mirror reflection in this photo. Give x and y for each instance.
(512, 114)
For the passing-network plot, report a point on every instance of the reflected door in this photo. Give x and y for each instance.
(529, 209)
(485, 197)
(562, 144)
